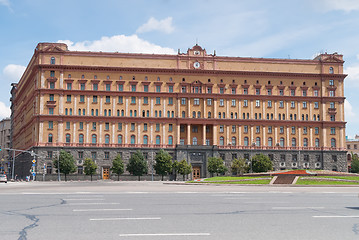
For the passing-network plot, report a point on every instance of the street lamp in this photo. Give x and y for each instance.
(58, 165)
(152, 162)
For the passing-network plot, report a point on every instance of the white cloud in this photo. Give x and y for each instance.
(4, 111)
(353, 75)
(164, 25)
(119, 43)
(350, 115)
(5, 3)
(13, 72)
(342, 5)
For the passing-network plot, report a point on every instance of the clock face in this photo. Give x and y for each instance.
(196, 52)
(196, 65)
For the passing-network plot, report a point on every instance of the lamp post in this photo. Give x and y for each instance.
(253, 145)
(58, 165)
(152, 163)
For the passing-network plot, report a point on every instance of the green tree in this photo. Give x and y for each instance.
(117, 166)
(90, 167)
(137, 165)
(175, 167)
(216, 165)
(66, 162)
(355, 163)
(163, 165)
(261, 163)
(184, 168)
(239, 166)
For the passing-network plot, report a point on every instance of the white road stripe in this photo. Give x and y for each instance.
(115, 219)
(294, 208)
(163, 234)
(98, 210)
(83, 199)
(336, 216)
(80, 204)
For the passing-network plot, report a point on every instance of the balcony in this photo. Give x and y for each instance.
(51, 104)
(332, 110)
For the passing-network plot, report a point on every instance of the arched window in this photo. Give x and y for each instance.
(94, 138)
(270, 142)
(68, 138)
(280, 116)
(148, 113)
(317, 142)
(219, 115)
(81, 138)
(170, 140)
(159, 113)
(145, 139)
(122, 113)
(105, 112)
(231, 115)
(158, 140)
(83, 112)
(79, 111)
(50, 138)
(193, 114)
(333, 143)
(318, 118)
(173, 114)
(221, 141)
(143, 113)
(234, 141)
(183, 114)
(168, 114)
(294, 142)
(209, 114)
(199, 114)
(258, 141)
(52, 61)
(107, 139)
(66, 111)
(119, 139)
(281, 142)
(133, 139)
(135, 113)
(92, 112)
(246, 141)
(314, 117)
(305, 142)
(194, 141)
(70, 111)
(131, 113)
(331, 70)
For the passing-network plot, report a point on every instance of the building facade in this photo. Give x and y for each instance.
(352, 148)
(5, 158)
(194, 105)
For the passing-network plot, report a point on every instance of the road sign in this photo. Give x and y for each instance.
(34, 161)
(33, 164)
(34, 174)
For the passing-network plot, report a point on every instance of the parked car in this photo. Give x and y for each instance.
(3, 178)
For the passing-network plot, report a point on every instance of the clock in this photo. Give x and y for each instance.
(196, 65)
(196, 52)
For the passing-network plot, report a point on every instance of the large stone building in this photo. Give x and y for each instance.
(194, 104)
(5, 158)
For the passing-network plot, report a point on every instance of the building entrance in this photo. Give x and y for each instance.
(105, 173)
(196, 173)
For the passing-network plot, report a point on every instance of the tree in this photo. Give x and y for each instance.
(261, 163)
(239, 166)
(175, 167)
(163, 165)
(216, 165)
(66, 162)
(355, 163)
(184, 168)
(117, 166)
(89, 167)
(137, 165)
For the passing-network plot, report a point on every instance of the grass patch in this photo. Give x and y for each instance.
(235, 180)
(261, 181)
(226, 178)
(323, 182)
(354, 178)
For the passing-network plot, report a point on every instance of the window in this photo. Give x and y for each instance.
(281, 92)
(294, 142)
(258, 129)
(332, 117)
(157, 127)
(293, 130)
(316, 93)
(269, 104)
(333, 143)
(245, 129)
(316, 130)
(332, 130)
(281, 104)
(170, 89)
(221, 90)
(52, 61)
(196, 101)
(49, 139)
(194, 141)
(68, 138)
(292, 92)
(68, 98)
(51, 124)
(81, 138)
(221, 141)
(257, 103)
(258, 141)
(258, 91)
(120, 87)
(80, 155)
(281, 142)
(133, 100)
(221, 128)
(305, 130)
(269, 129)
(292, 104)
(233, 128)
(281, 130)
(331, 93)
(332, 105)
(245, 103)
(245, 141)
(133, 139)
(221, 102)
(120, 99)
(183, 90)
(107, 126)
(245, 91)
(69, 86)
(107, 139)
(331, 70)
(158, 140)
(234, 141)
(158, 88)
(170, 127)
(317, 142)
(158, 101)
(183, 101)
(145, 139)
(145, 127)
(209, 101)
(93, 155)
(67, 125)
(331, 82)
(233, 102)
(304, 104)
(119, 126)
(305, 142)
(145, 88)
(108, 87)
(304, 93)
(170, 100)
(119, 139)
(133, 88)
(269, 91)
(270, 142)
(94, 99)
(132, 127)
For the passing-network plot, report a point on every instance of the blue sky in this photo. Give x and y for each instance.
(257, 28)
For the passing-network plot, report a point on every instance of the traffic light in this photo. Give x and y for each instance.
(0, 148)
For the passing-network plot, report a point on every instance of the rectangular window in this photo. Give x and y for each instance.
(52, 74)
(269, 104)
(304, 104)
(221, 128)
(80, 155)
(158, 100)
(158, 88)
(51, 111)
(145, 88)
(51, 97)
(51, 124)
(245, 129)
(305, 130)
(316, 105)
(145, 127)
(221, 102)
(245, 91)
(281, 104)
(331, 93)
(94, 99)
(68, 98)
(95, 86)
(209, 89)
(304, 93)
(82, 98)
(119, 126)
(281, 93)
(120, 99)
(257, 103)
(245, 103)
(170, 89)
(258, 129)
(292, 92)
(332, 105)
(94, 126)
(107, 126)
(281, 130)
(133, 100)
(331, 82)
(108, 87)
(82, 86)
(145, 100)
(269, 91)
(108, 99)
(233, 90)
(183, 90)
(183, 101)
(196, 101)
(107, 155)
(170, 127)
(233, 128)
(332, 130)
(157, 127)
(132, 127)
(293, 130)
(133, 88)
(316, 93)
(93, 155)
(316, 131)
(52, 85)
(69, 86)
(269, 129)
(209, 101)
(120, 87)
(221, 90)
(67, 125)
(233, 102)
(258, 91)
(332, 117)
(170, 100)
(292, 104)
(81, 125)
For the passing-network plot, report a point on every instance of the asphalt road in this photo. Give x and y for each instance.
(153, 210)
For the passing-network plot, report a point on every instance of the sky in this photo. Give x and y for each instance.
(296, 29)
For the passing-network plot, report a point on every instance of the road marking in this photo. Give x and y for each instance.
(163, 234)
(115, 219)
(335, 216)
(294, 208)
(97, 210)
(83, 199)
(79, 204)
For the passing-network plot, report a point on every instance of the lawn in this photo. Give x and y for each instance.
(236, 180)
(329, 180)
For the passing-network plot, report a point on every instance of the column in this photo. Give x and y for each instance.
(341, 138)
(87, 132)
(126, 132)
(151, 107)
(61, 104)
(59, 131)
(101, 104)
(138, 133)
(178, 134)
(288, 145)
(100, 133)
(75, 105)
(287, 110)
(163, 134)
(151, 135)
(113, 133)
(299, 117)
(251, 137)
(264, 137)
(275, 110)
(227, 109)
(188, 134)
(215, 135)
(239, 135)
(88, 105)
(227, 135)
(215, 114)
(300, 137)
(251, 109)
(126, 107)
(311, 136)
(41, 132)
(74, 133)
(310, 111)
(189, 107)
(204, 133)
(324, 137)
(114, 106)
(42, 80)
(275, 136)
(204, 108)
(164, 107)
(42, 104)
(239, 109)
(139, 107)
(61, 80)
